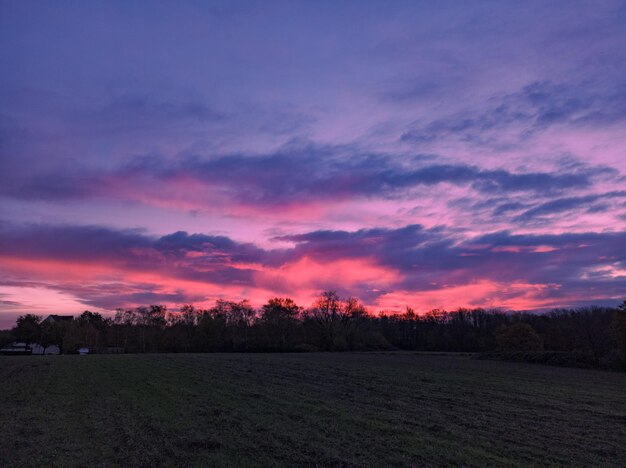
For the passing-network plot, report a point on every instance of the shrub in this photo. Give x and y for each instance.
(615, 360)
(518, 337)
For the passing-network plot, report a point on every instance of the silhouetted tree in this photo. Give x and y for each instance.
(28, 329)
(48, 336)
(180, 333)
(54, 333)
(354, 323)
(6, 337)
(619, 325)
(592, 328)
(123, 328)
(188, 315)
(518, 337)
(151, 321)
(592, 336)
(279, 320)
(326, 312)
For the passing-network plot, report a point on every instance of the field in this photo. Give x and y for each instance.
(313, 409)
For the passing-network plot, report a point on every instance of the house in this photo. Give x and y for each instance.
(52, 349)
(58, 318)
(16, 349)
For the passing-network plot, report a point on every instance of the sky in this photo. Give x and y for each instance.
(424, 154)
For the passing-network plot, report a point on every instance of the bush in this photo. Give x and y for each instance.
(375, 341)
(518, 336)
(615, 360)
(305, 348)
(6, 338)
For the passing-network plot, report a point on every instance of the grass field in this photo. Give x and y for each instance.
(306, 409)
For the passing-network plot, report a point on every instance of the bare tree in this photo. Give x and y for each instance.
(327, 313)
(279, 318)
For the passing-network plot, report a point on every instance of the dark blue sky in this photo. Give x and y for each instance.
(434, 154)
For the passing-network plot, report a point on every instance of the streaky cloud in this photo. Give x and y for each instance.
(417, 259)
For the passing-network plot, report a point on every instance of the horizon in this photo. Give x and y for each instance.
(304, 308)
(410, 155)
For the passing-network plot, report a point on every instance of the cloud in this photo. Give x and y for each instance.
(107, 268)
(355, 143)
(193, 257)
(567, 204)
(534, 108)
(10, 303)
(134, 107)
(436, 258)
(298, 175)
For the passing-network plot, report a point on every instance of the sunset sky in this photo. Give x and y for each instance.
(431, 154)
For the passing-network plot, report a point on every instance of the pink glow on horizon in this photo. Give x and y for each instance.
(302, 280)
(309, 274)
(515, 296)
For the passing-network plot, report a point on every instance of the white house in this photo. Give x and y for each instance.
(33, 348)
(16, 349)
(58, 318)
(38, 349)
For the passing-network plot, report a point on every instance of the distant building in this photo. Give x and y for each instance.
(58, 318)
(52, 349)
(83, 351)
(16, 349)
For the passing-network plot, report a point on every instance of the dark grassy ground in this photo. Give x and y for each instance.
(306, 409)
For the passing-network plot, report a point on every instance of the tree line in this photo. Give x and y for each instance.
(589, 337)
